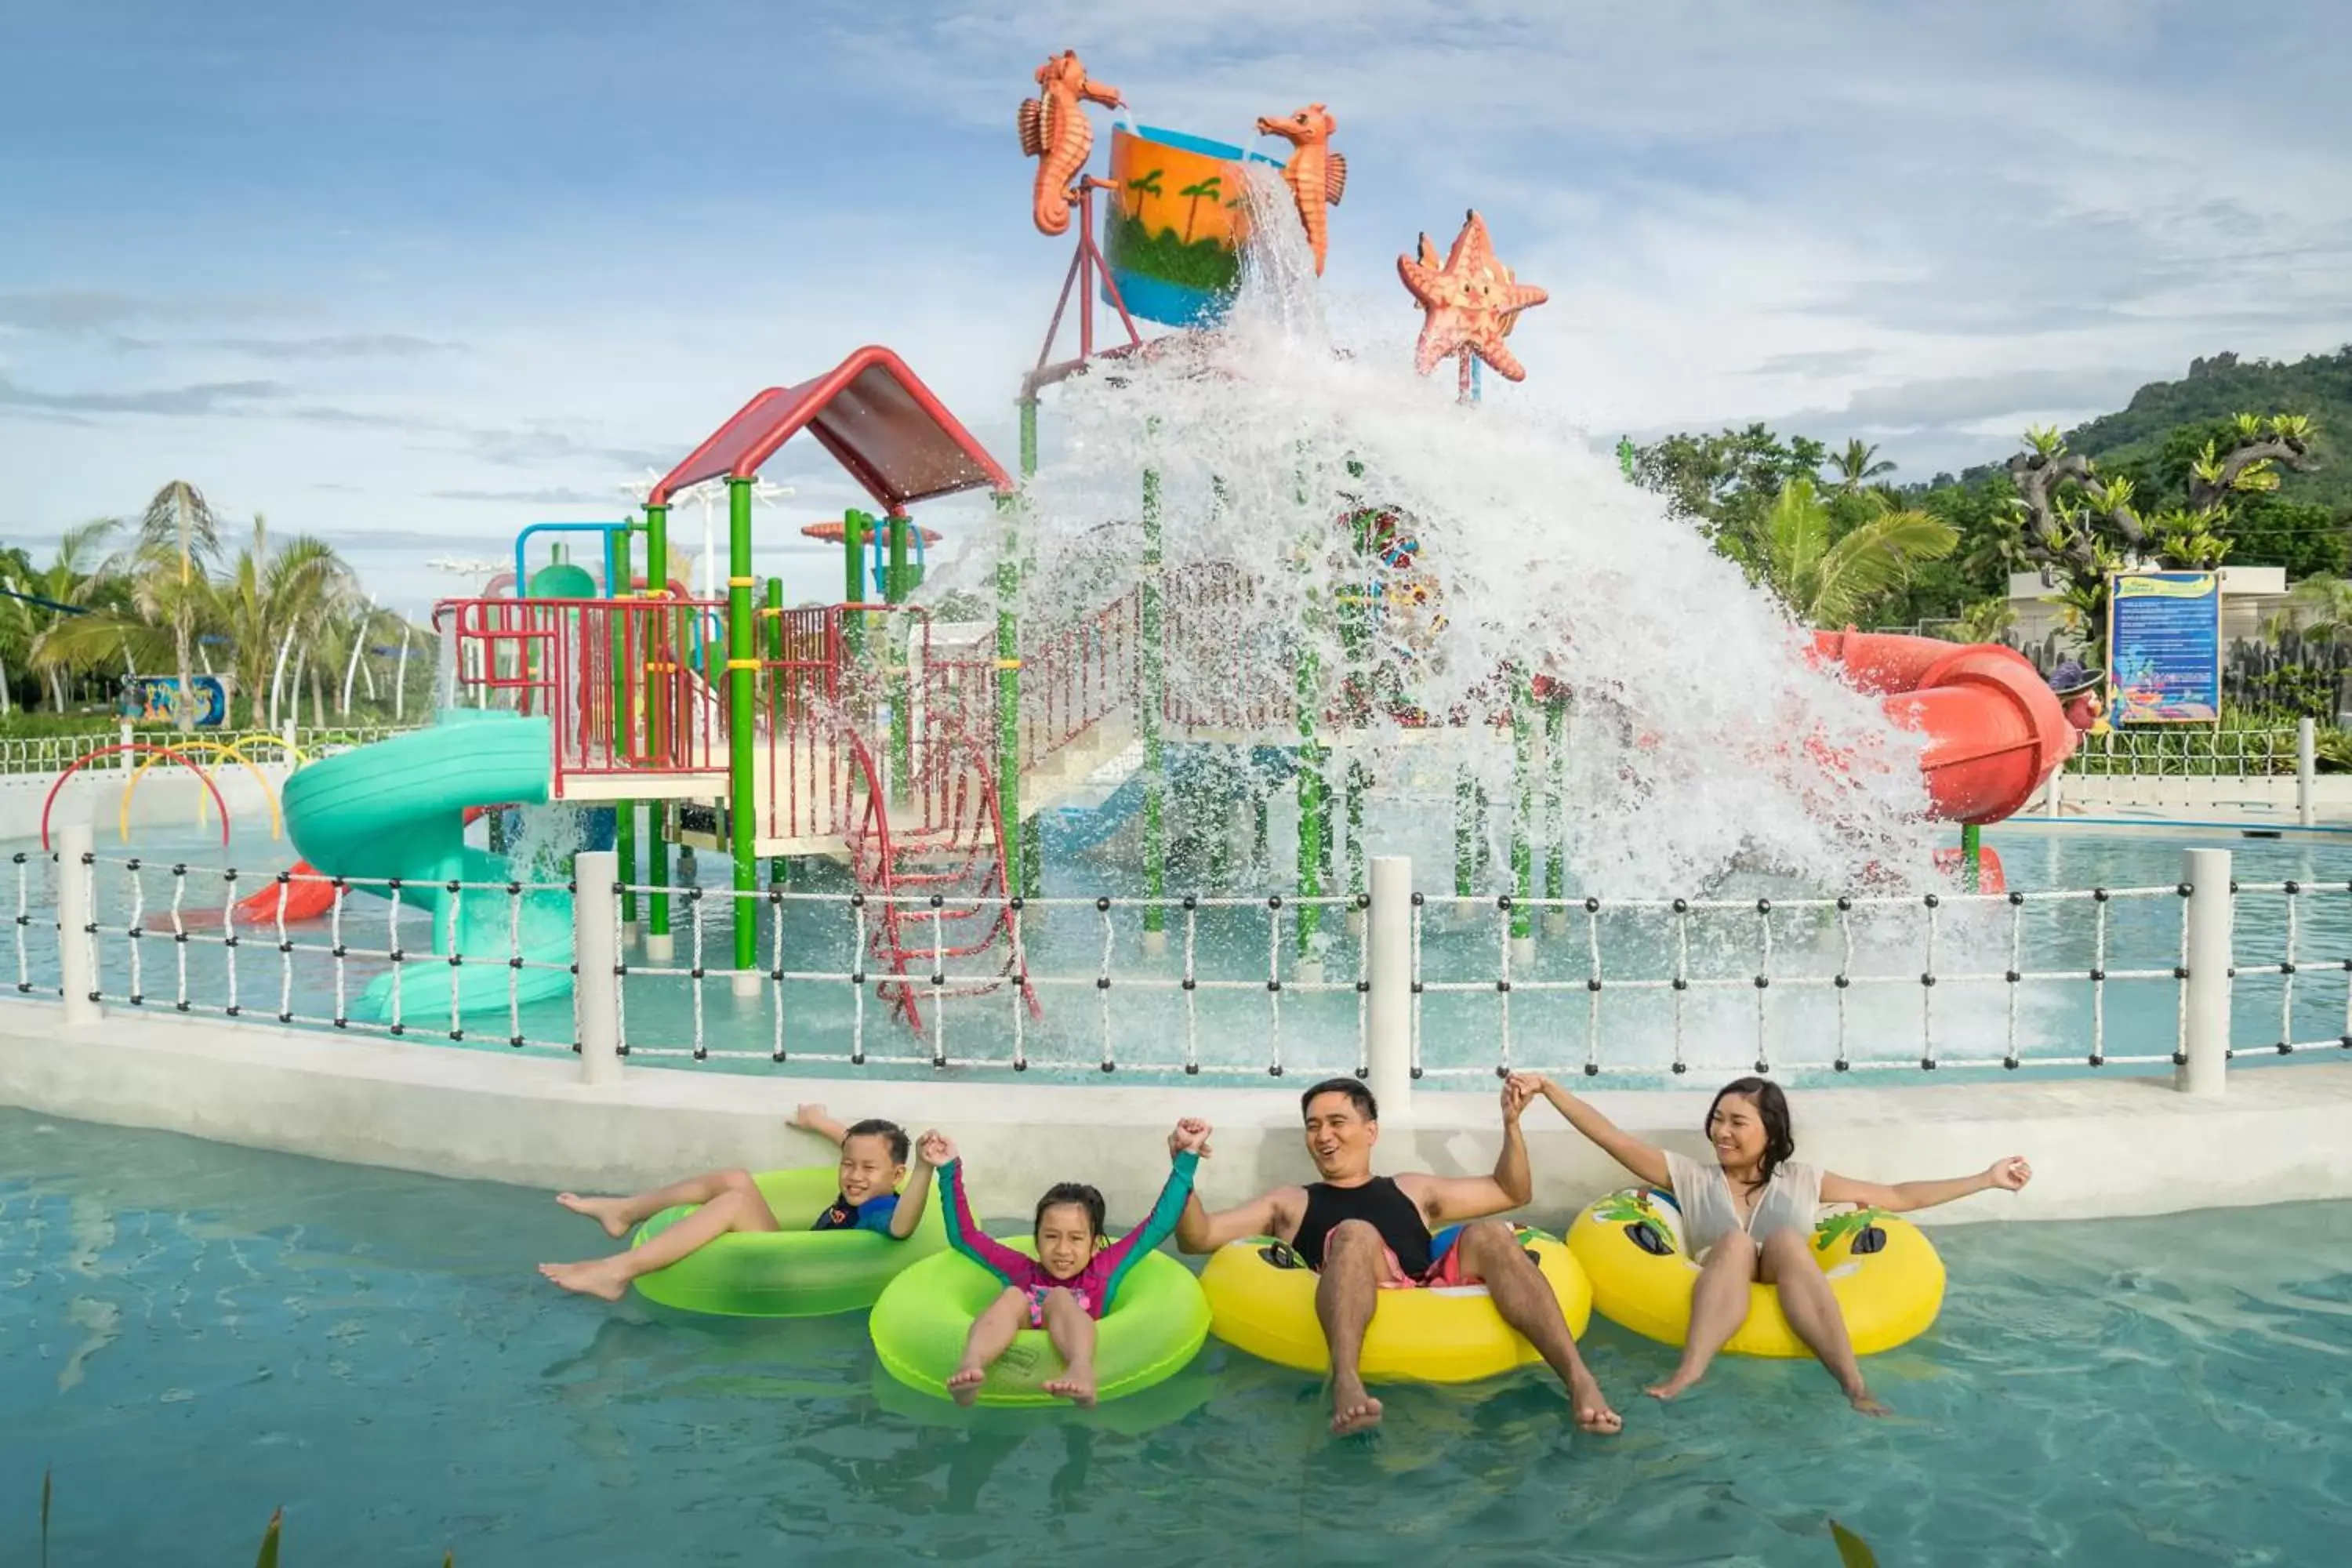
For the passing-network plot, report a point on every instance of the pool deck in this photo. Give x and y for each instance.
(2100, 1147)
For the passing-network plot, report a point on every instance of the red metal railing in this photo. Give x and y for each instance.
(1226, 669)
(614, 677)
(1080, 676)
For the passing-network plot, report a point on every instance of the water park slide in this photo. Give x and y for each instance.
(398, 808)
(1995, 729)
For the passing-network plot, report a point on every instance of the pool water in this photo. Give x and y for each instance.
(192, 1335)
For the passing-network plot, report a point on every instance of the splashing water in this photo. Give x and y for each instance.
(1698, 742)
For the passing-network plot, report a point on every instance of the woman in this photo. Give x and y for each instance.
(1750, 1217)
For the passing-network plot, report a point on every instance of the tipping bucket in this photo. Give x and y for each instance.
(1173, 224)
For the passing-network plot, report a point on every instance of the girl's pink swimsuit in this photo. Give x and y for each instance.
(1097, 1282)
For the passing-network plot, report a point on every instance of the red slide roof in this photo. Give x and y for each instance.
(878, 421)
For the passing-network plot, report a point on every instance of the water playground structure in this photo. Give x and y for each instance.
(1236, 623)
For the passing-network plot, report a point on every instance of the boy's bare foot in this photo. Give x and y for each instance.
(606, 1212)
(1353, 1409)
(601, 1278)
(1077, 1385)
(964, 1384)
(1593, 1410)
(1679, 1384)
(1862, 1399)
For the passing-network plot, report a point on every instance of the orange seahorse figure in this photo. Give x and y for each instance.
(1054, 131)
(1315, 175)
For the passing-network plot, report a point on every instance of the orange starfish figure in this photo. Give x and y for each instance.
(1315, 175)
(1056, 131)
(1472, 301)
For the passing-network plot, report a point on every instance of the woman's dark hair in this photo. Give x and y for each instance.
(1079, 1193)
(1772, 1108)
(890, 1132)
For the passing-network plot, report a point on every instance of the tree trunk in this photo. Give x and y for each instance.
(317, 698)
(184, 711)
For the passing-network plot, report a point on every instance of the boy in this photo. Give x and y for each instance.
(873, 1162)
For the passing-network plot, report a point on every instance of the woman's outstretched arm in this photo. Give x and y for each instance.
(1644, 1160)
(1902, 1197)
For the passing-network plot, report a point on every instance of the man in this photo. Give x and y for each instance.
(1363, 1234)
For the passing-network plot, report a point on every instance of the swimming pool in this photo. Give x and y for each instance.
(192, 1335)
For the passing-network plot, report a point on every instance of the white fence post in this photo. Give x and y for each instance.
(1388, 1013)
(2205, 1017)
(2052, 791)
(595, 946)
(123, 759)
(2306, 769)
(77, 964)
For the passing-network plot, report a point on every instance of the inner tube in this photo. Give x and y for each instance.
(794, 1272)
(1883, 1270)
(1154, 1327)
(1266, 1306)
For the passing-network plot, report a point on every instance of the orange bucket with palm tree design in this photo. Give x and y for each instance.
(1174, 224)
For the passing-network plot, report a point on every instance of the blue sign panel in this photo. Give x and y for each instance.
(2164, 648)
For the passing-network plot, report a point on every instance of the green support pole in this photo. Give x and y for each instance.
(1358, 779)
(1155, 683)
(853, 583)
(628, 689)
(780, 869)
(1008, 676)
(1466, 851)
(899, 638)
(1010, 572)
(1556, 799)
(1523, 806)
(1972, 856)
(1261, 799)
(654, 649)
(1314, 810)
(742, 660)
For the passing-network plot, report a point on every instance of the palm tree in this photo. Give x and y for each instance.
(2319, 607)
(178, 525)
(1856, 467)
(1830, 583)
(1138, 188)
(80, 566)
(265, 593)
(1211, 187)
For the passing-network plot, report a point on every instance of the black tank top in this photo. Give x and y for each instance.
(1379, 1203)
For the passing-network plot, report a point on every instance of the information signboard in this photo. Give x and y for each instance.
(2164, 648)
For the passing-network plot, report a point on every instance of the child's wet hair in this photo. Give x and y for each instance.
(1077, 1192)
(889, 1132)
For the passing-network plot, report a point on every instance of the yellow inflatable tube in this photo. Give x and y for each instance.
(1885, 1275)
(1449, 1334)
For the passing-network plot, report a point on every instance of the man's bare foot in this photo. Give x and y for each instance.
(1077, 1385)
(601, 1278)
(963, 1383)
(1862, 1399)
(1677, 1385)
(606, 1212)
(1353, 1409)
(1592, 1409)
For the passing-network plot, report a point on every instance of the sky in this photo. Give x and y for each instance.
(410, 277)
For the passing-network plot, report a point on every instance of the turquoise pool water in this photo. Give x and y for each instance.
(192, 1335)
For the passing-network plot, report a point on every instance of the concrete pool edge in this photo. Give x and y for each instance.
(2102, 1148)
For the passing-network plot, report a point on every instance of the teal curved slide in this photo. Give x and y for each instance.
(397, 808)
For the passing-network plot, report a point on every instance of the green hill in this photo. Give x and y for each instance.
(2216, 388)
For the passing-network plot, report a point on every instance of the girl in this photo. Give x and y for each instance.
(1754, 1208)
(1072, 1280)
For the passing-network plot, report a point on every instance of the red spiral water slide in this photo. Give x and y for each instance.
(1994, 728)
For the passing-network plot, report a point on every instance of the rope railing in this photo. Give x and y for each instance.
(1807, 964)
(981, 1019)
(2186, 752)
(1399, 986)
(173, 936)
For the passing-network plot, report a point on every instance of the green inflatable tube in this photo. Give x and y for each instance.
(1154, 1327)
(794, 1272)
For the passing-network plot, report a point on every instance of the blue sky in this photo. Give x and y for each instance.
(409, 277)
